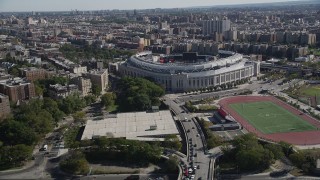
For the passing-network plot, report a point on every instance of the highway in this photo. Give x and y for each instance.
(196, 153)
(130, 176)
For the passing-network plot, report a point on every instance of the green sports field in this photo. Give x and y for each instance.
(270, 118)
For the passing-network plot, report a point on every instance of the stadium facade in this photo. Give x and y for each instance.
(190, 71)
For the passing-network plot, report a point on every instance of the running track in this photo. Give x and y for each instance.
(296, 138)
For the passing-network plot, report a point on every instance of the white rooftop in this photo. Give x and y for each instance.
(133, 125)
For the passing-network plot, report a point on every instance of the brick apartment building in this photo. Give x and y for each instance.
(33, 74)
(4, 106)
(17, 89)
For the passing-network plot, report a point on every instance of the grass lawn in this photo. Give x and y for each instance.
(270, 118)
(112, 108)
(311, 91)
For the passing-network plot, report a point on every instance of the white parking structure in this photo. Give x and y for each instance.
(144, 126)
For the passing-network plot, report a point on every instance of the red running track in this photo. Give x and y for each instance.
(296, 138)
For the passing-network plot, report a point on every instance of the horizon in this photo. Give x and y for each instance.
(82, 5)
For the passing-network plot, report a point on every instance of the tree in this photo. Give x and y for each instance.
(298, 158)
(213, 140)
(138, 94)
(108, 99)
(12, 156)
(249, 154)
(172, 164)
(38, 89)
(71, 104)
(172, 142)
(286, 147)
(13, 132)
(275, 149)
(101, 142)
(75, 164)
(14, 71)
(52, 107)
(141, 102)
(79, 117)
(95, 90)
(90, 99)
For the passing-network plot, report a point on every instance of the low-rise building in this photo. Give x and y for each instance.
(84, 85)
(58, 91)
(113, 67)
(77, 69)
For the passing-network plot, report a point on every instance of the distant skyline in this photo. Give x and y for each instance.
(67, 5)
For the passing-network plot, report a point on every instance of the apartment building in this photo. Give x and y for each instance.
(4, 106)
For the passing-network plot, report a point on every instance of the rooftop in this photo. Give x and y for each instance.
(142, 126)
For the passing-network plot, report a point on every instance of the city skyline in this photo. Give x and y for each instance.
(59, 5)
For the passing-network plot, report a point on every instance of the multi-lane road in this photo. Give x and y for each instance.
(197, 158)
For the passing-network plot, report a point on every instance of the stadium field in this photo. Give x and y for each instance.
(269, 118)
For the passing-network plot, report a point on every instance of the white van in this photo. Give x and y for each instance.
(45, 147)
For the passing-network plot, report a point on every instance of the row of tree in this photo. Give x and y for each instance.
(104, 149)
(87, 52)
(129, 151)
(225, 86)
(212, 140)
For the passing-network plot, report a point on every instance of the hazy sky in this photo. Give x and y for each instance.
(56, 5)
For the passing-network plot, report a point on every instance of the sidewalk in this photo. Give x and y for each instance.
(27, 165)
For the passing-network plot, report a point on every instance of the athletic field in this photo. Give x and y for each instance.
(269, 118)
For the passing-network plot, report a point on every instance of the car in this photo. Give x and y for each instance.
(198, 135)
(192, 127)
(195, 145)
(182, 111)
(195, 155)
(198, 167)
(188, 130)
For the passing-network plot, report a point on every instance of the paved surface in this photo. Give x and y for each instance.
(128, 176)
(37, 168)
(201, 158)
(190, 97)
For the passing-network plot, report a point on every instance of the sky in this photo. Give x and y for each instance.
(66, 5)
